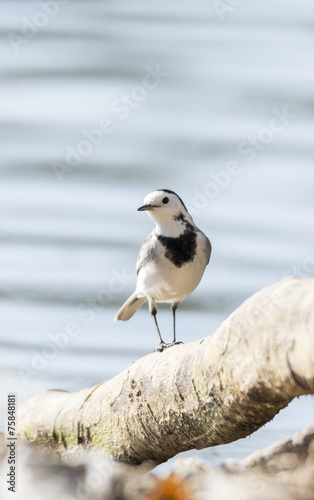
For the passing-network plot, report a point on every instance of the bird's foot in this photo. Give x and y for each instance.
(175, 343)
(162, 346)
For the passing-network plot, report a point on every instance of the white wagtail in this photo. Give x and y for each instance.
(172, 259)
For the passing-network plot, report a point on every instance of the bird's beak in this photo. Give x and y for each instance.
(146, 207)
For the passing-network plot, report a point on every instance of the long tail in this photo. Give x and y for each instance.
(130, 307)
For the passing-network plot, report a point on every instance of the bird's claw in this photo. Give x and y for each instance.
(162, 346)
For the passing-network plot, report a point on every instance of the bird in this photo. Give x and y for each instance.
(171, 261)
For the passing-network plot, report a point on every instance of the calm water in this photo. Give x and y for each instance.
(104, 102)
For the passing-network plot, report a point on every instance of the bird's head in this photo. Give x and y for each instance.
(165, 206)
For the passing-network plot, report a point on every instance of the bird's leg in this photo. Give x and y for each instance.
(153, 312)
(162, 344)
(174, 308)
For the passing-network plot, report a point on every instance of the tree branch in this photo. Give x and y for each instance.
(197, 395)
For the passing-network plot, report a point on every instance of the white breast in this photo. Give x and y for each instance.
(160, 279)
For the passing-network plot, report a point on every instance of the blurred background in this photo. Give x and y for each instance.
(105, 101)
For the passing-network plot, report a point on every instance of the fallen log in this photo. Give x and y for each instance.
(206, 393)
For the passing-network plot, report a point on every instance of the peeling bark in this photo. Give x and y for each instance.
(197, 395)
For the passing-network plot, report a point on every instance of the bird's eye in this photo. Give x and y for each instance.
(165, 200)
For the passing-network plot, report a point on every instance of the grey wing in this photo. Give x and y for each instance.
(147, 252)
(208, 248)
